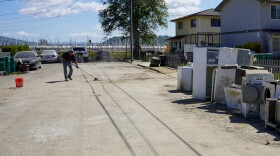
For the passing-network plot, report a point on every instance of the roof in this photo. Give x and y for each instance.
(175, 37)
(208, 12)
(272, 31)
(219, 7)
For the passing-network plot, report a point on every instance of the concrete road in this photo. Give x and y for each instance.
(131, 111)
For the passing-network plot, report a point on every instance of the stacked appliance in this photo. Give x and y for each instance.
(272, 113)
(229, 60)
(257, 87)
(205, 60)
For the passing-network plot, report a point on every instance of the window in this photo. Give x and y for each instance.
(180, 25)
(193, 22)
(275, 45)
(180, 45)
(275, 11)
(215, 22)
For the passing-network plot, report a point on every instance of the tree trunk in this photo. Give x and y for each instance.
(136, 36)
(136, 44)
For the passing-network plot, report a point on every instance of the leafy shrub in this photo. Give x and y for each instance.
(92, 55)
(115, 55)
(120, 55)
(14, 49)
(254, 46)
(7, 49)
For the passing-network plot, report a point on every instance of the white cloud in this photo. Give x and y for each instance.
(6, 34)
(20, 34)
(97, 27)
(53, 8)
(93, 6)
(178, 8)
(23, 33)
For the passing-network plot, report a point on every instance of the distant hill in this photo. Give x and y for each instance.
(117, 40)
(161, 39)
(11, 41)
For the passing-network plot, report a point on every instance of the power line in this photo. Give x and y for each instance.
(10, 19)
(42, 26)
(27, 20)
(7, 14)
(16, 18)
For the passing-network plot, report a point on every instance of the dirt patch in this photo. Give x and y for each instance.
(220, 117)
(2, 104)
(231, 121)
(171, 86)
(135, 76)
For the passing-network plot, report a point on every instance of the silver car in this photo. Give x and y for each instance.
(30, 58)
(80, 50)
(48, 56)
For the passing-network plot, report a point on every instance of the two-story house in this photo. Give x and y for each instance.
(201, 28)
(244, 21)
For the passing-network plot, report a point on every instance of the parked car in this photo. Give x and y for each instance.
(103, 56)
(49, 56)
(81, 51)
(30, 58)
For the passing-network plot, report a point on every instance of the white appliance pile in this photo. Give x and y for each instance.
(227, 76)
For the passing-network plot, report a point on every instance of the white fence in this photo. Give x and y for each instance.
(270, 65)
(97, 48)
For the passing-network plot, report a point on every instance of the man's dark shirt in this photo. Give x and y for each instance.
(67, 57)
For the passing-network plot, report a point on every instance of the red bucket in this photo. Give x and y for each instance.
(19, 82)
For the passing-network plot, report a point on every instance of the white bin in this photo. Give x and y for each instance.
(184, 79)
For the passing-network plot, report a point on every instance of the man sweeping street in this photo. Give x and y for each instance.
(68, 57)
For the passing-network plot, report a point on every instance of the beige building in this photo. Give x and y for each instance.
(202, 28)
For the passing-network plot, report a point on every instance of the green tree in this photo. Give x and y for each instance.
(148, 16)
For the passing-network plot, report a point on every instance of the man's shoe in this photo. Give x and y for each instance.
(66, 79)
(70, 77)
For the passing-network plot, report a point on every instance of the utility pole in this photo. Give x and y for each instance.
(131, 29)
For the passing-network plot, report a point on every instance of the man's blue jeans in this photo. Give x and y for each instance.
(65, 65)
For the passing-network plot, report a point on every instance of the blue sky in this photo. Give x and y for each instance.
(74, 20)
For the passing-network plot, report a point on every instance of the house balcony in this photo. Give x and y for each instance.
(200, 39)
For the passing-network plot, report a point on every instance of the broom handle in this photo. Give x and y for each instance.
(85, 71)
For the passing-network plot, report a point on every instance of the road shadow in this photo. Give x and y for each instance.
(188, 101)
(54, 81)
(219, 109)
(185, 101)
(178, 91)
(141, 79)
(236, 117)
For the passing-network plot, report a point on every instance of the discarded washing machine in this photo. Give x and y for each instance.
(256, 89)
(231, 75)
(272, 114)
